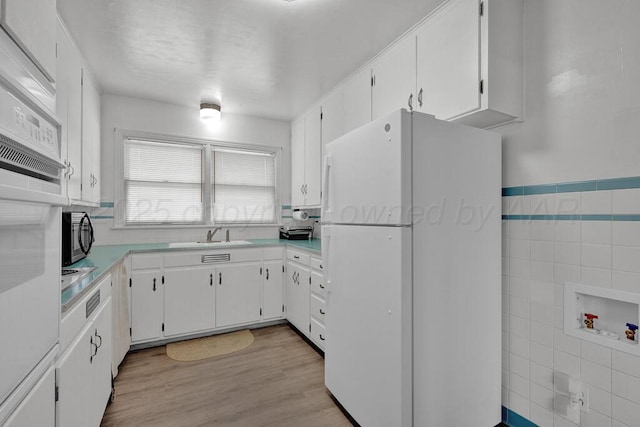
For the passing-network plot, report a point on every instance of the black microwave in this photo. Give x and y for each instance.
(77, 236)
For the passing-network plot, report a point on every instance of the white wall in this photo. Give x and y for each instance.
(582, 108)
(119, 112)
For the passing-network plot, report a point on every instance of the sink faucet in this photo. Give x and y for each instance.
(211, 234)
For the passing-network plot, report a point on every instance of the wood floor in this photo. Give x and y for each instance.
(276, 381)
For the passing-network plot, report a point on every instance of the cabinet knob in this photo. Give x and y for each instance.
(321, 337)
(321, 312)
(267, 274)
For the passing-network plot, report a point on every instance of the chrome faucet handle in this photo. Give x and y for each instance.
(209, 236)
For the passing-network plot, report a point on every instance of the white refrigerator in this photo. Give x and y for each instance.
(411, 233)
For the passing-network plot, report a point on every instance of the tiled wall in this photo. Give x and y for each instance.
(587, 232)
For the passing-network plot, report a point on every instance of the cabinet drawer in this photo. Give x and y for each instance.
(146, 261)
(75, 319)
(297, 256)
(316, 264)
(318, 334)
(318, 309)
(272, 253)
(317, 284)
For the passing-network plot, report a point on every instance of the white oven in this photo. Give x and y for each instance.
(30, 223)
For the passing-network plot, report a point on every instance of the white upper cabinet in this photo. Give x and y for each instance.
(90, 141)
(78, 107)
(469, 62)
(332, 116)
(297, 163)
(69, 110)
(394, 79)
(356, 100)
(32, 25)
(306, 153)
(312, 157)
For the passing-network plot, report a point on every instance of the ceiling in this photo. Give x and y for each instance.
(267, 58)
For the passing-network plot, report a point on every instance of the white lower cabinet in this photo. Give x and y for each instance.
(297, 296)
(146, 305)
(83, 371)
(273, 290)
(182, 293)
(305, 295)
(189, 300)
(238, 294)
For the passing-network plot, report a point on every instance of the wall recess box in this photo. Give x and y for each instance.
(614, 310)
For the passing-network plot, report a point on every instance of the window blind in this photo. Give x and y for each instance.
(163, 182)
(244, 187)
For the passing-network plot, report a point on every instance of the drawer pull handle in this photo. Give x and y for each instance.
(296, 257)
(267, 274)
(321, 312)
(321, 337)
(321, 286)
(321, 267)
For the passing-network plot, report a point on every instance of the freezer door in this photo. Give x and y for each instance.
(367, 174)
(368, 322)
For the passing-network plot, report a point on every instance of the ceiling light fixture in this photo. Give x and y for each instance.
(210, 111)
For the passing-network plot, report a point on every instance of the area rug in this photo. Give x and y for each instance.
(203, 348)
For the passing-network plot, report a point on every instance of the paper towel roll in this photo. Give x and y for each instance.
(300, 215)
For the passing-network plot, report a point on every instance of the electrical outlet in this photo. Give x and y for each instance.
(585, 400)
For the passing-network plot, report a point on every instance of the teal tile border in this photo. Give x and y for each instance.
(572, 187)
(286, 206)
(513, 419)
(102, 217)
(586, 217)
(619, 183)
(106, 204)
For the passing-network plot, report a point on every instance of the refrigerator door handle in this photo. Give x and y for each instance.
(326, 171)
(326, 254)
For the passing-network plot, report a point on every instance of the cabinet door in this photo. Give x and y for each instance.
(69, 109)
(146, 305)
(32, 24)
(449, 60)
(297, 294)
(90, 141)
(356, 101)
(312, 157)
(272, 291)
(238, 294)
(332, 117)
(75, 381)
(189, 300)
(101, 363)
(394, 80)
(297, 163)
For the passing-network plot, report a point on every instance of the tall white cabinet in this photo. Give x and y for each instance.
(78, 106)
(306, 152)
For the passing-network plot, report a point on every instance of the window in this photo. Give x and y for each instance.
(244, 187)
(197, 182)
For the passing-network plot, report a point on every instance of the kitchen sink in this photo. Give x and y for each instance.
(209, 244)
(71, 275)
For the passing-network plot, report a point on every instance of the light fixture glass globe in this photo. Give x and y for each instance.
(210, 112)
